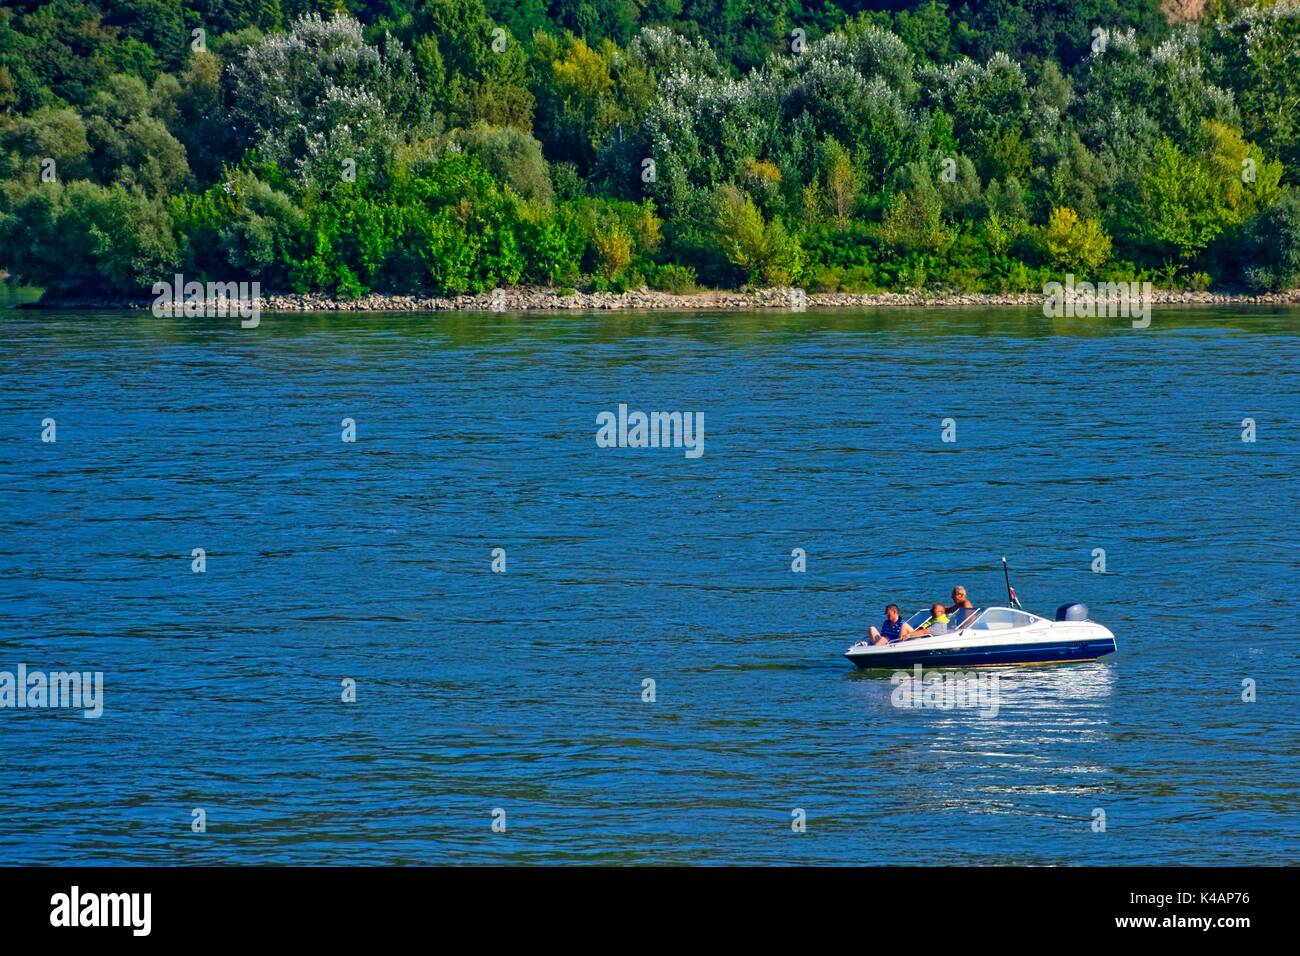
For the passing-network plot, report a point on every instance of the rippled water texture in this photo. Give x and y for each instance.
(523, 691)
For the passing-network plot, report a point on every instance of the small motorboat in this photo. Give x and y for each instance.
(993, 636)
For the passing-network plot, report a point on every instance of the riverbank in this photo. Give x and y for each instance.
(533, 300)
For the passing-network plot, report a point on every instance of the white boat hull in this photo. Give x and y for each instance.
(1043, 642)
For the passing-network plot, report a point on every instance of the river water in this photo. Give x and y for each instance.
(520, 696)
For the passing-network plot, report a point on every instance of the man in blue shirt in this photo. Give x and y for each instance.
(891, 629)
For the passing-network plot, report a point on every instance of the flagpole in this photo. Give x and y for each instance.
(1007, 574)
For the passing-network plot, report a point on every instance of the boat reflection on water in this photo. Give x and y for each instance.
(975, 746)
(1076, 689)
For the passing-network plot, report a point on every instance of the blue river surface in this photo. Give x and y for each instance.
(519, 698)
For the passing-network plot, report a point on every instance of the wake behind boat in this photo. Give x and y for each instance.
(994, 636)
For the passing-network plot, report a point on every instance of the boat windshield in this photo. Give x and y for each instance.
(977, 618)
(962, 617)
(918, 619)
(999, 619)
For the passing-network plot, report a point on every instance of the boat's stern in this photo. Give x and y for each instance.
(1105, 638)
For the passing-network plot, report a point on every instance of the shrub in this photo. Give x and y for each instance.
(79, 236)
(766, 252)
(913, 221)
(1074, 244)
(613, 244)
(1273, 246)
(513, 157)
(677, 279)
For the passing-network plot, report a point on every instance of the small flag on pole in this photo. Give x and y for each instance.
(1011, 592)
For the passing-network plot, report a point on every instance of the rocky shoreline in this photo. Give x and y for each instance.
(533, 300)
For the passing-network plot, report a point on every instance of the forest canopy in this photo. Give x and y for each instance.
(350, 146)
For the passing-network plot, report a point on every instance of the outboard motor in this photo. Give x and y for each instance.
(1072, 612)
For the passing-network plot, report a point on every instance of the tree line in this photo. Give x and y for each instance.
(350, 146)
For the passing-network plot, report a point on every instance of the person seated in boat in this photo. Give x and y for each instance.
(938, 623)
(892, 629)
(961, 606)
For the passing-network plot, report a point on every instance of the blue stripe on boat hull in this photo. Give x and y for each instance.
(1051, 652)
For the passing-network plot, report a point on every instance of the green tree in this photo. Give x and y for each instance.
(320, 95)
(47, 134)
(613, 244)
(914, 218)
(471, 67)
(1272, 246)
(512, 156)
(766, 252)
(1255, 56)
(576, 107)
(80, 236)
(1075, 244)
(841, 182)
(129, 144)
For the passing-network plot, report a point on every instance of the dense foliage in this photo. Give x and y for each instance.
(345, 146)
